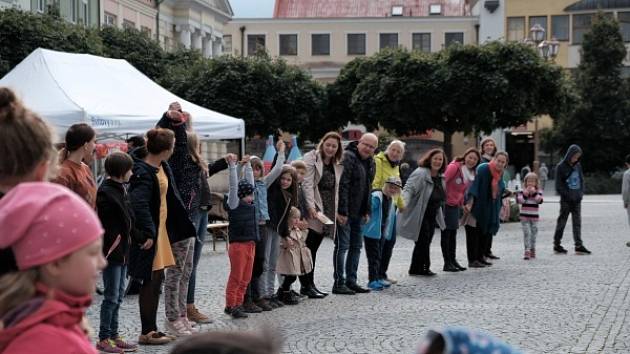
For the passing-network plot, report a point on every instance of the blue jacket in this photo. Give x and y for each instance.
(485, 209)
(372, 229)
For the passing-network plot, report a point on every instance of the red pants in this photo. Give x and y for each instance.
(241, 262)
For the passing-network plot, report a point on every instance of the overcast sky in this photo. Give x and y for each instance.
(252, 8)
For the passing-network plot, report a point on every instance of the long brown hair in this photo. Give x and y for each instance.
(25, 139)
(293, 189)
(193, 150)
(425, 161)
(16, 288)
(331, 135)
(77, 136)
(472, 150)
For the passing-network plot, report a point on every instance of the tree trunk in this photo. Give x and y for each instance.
(448, 146)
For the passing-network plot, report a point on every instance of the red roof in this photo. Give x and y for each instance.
(365, 8)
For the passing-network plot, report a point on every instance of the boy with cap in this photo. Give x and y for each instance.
(243, 231)
(380, 225)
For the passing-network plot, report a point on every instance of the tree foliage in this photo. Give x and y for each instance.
(267, 93)
(601, 121)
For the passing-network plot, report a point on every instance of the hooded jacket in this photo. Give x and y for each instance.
(570, 178)
(355, 184)
(50, 322)
(384, 168)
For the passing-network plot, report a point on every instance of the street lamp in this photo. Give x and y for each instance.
(548, 50)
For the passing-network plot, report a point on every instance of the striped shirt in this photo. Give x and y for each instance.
(530, 202)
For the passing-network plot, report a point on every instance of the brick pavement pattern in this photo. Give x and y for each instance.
(554, 304)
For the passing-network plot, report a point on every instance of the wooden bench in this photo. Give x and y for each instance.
(221, 228)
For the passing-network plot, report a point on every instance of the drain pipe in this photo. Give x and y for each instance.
(242, 29)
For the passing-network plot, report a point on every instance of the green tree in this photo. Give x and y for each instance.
(601, 121)
(23, 32)
(144, 53)
(460, 89)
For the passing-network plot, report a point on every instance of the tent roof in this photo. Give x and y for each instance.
(110, 94)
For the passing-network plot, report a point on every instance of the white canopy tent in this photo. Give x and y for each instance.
(109, 94)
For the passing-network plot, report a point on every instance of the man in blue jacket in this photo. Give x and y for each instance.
(570, 186)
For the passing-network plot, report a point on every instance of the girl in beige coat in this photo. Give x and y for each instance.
(294, 258)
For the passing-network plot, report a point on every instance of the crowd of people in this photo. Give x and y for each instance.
(147, 221)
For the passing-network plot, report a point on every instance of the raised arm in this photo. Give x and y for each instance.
(277, 168)
(233, 181)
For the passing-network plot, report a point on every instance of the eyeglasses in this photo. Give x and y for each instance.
(369, 146)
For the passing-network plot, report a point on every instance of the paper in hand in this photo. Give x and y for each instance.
(324, 219)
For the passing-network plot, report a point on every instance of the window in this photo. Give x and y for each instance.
(388, 40)
(255, 42)
(110, 20)
(288, 44)
(516, 28)
(538, 20)
(146, 30)
(421, 42)
(435, 9)
(74, 8)
(41, 5)
(397, 10)
(560, 27)
(227, 43)
(452, 38)
(356, 43)
(320, 44)
(128, 24)
(624, 23)
(581, 25)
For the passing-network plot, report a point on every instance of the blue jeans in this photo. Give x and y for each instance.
(347, 252)
(114, 290)
(201, 223)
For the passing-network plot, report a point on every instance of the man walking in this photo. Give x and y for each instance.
(353, 210)
(570, 186)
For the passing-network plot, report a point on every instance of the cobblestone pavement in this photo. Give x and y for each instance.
(554, 304)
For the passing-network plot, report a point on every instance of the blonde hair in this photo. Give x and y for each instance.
(295, 213)
(531, 175)
(193, 150)
(25, 139)
(298, 165)
(17, 288)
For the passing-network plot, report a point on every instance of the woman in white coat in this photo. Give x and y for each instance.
(424, 196)
(321, 190)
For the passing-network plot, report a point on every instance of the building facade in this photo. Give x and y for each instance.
(75, 11)
(192, 24)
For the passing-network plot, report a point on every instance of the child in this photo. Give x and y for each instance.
(56, 239)
(116, 215)
(243, 236)
(256, 289)
(531, 196)
(380, 227)
(294, 258)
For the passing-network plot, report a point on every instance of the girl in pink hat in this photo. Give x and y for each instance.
(56, 239)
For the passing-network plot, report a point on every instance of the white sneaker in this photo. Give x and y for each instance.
(190, 326)
(176, 328)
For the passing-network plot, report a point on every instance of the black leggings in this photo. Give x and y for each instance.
(149, 300)
(288, 281)
(313, 241)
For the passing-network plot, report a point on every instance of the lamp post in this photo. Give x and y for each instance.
(548, 50)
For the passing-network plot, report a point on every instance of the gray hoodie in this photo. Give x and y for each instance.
(570, 178)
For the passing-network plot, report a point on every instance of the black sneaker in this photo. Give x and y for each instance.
(342, 290)
(250, 307)
(628, 244)
(559, 249)
(357, 288)
(581, 250)
(237, 312)
(274, 299)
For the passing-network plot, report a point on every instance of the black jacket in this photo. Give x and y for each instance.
(279, 208)
(355, 184)
(117, 217)
(190, 178)
(144, 192)
(570, 178)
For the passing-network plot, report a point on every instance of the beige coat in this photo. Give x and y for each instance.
(294, 259)
(314, 170)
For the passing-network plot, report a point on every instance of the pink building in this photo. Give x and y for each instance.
(369, 8)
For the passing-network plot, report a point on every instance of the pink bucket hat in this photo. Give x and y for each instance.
(42, 222)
